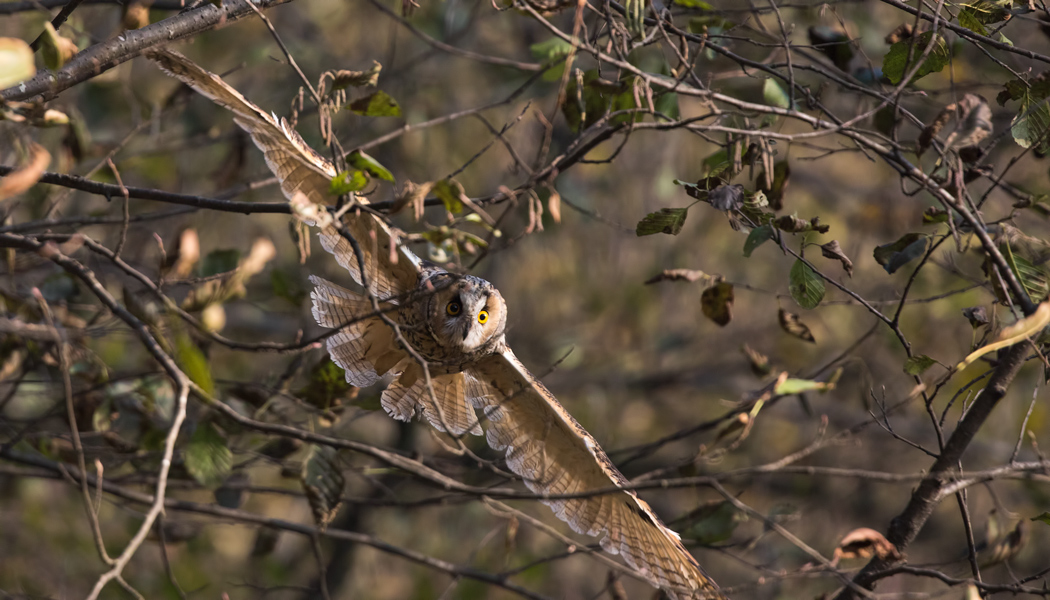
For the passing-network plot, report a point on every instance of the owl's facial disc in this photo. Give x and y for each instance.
(470, 313)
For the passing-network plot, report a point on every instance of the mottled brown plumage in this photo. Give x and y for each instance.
(440, 316)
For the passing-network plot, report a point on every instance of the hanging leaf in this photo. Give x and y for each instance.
(806, 287)
(793, 387)
(16, 62)
(903, 251)
(712, 522)
(1030, 125)
(833, 251)
(792, 324)
(378, 104)
(759, 363)
(343, 79)
(449, 191)
(681, 275)
(327, 386)
(550, 51)
(895, 64)
(1045, 518)
(25, 176)
(667, 220)
(717, 303)
(727, 197)
(54, 48)
(192, 362)
(323, 482)
(774, 95)
(366, 163)
(347, 182)
(757, 237)
(977, 316)
(917, 365)
(865, 543)
(208, 457)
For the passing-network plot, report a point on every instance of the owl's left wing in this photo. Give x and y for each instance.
(391, 269)
(554, 454)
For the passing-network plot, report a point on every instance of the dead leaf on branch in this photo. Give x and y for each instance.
(790, 323)
(865, 543)
(974, 124)
(717, 303)
(833, 251)
(24, 177)
(683, 275)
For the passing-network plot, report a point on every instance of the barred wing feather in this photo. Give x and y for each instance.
(555, 455)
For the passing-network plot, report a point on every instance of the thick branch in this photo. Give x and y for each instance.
(102, 57)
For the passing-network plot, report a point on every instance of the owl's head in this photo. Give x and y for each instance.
(465, 313)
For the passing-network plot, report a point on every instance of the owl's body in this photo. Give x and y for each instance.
(455, 326)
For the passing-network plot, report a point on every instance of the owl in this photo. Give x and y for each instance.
(408, 314)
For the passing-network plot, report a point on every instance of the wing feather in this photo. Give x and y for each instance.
(403, 400)
(554, 455)
(301, 170)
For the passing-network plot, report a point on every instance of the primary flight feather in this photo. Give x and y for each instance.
(455, 324)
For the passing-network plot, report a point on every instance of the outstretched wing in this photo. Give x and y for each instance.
(555, 455)
(391, 269)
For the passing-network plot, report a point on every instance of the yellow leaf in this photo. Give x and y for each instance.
(1019, 331)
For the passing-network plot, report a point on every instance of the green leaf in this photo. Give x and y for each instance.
(366, 163)
(667, 104)
(286, 284)
(16, 62)
(775, 193)
(208, 457)
(757, 237)
(774, 95)
(1045, 518)
(895, 64)
(587, 106)
(449, 192)
(667, 220)
(806, 287)
(1033, 279)
(716, 164)
(327, 385)
(694, 4)
(917, 365)
(378, 104)
(903, 251)
(550, 51)
(323, 482)
(348, 181)
(192, 362)
(717, 303)
(969, 20)
(1033, 118)
(219, 261)
(710, 25)
(791, 387)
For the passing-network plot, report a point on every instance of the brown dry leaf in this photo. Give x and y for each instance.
(760, 364)
(682, 275)
(413, 194)
(187, 253)
(865, 543)
(717, 303)
(790, 323)
(27, 175)
(833, 251)
(554, 205)
(974, 123)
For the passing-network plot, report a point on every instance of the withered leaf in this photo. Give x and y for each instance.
(680, 275)
(323, 482)
(865, 543)
(27, 175)
(790, 323)
(717, 303)
(977, 316)
(727, 197)
(833, 251)
(760, 364)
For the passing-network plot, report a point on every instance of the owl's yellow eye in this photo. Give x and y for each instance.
(453, 308)
(483, 316)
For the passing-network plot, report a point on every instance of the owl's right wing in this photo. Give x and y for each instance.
(392, 269)
(554, 454)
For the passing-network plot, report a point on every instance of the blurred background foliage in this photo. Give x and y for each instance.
(636, 362)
